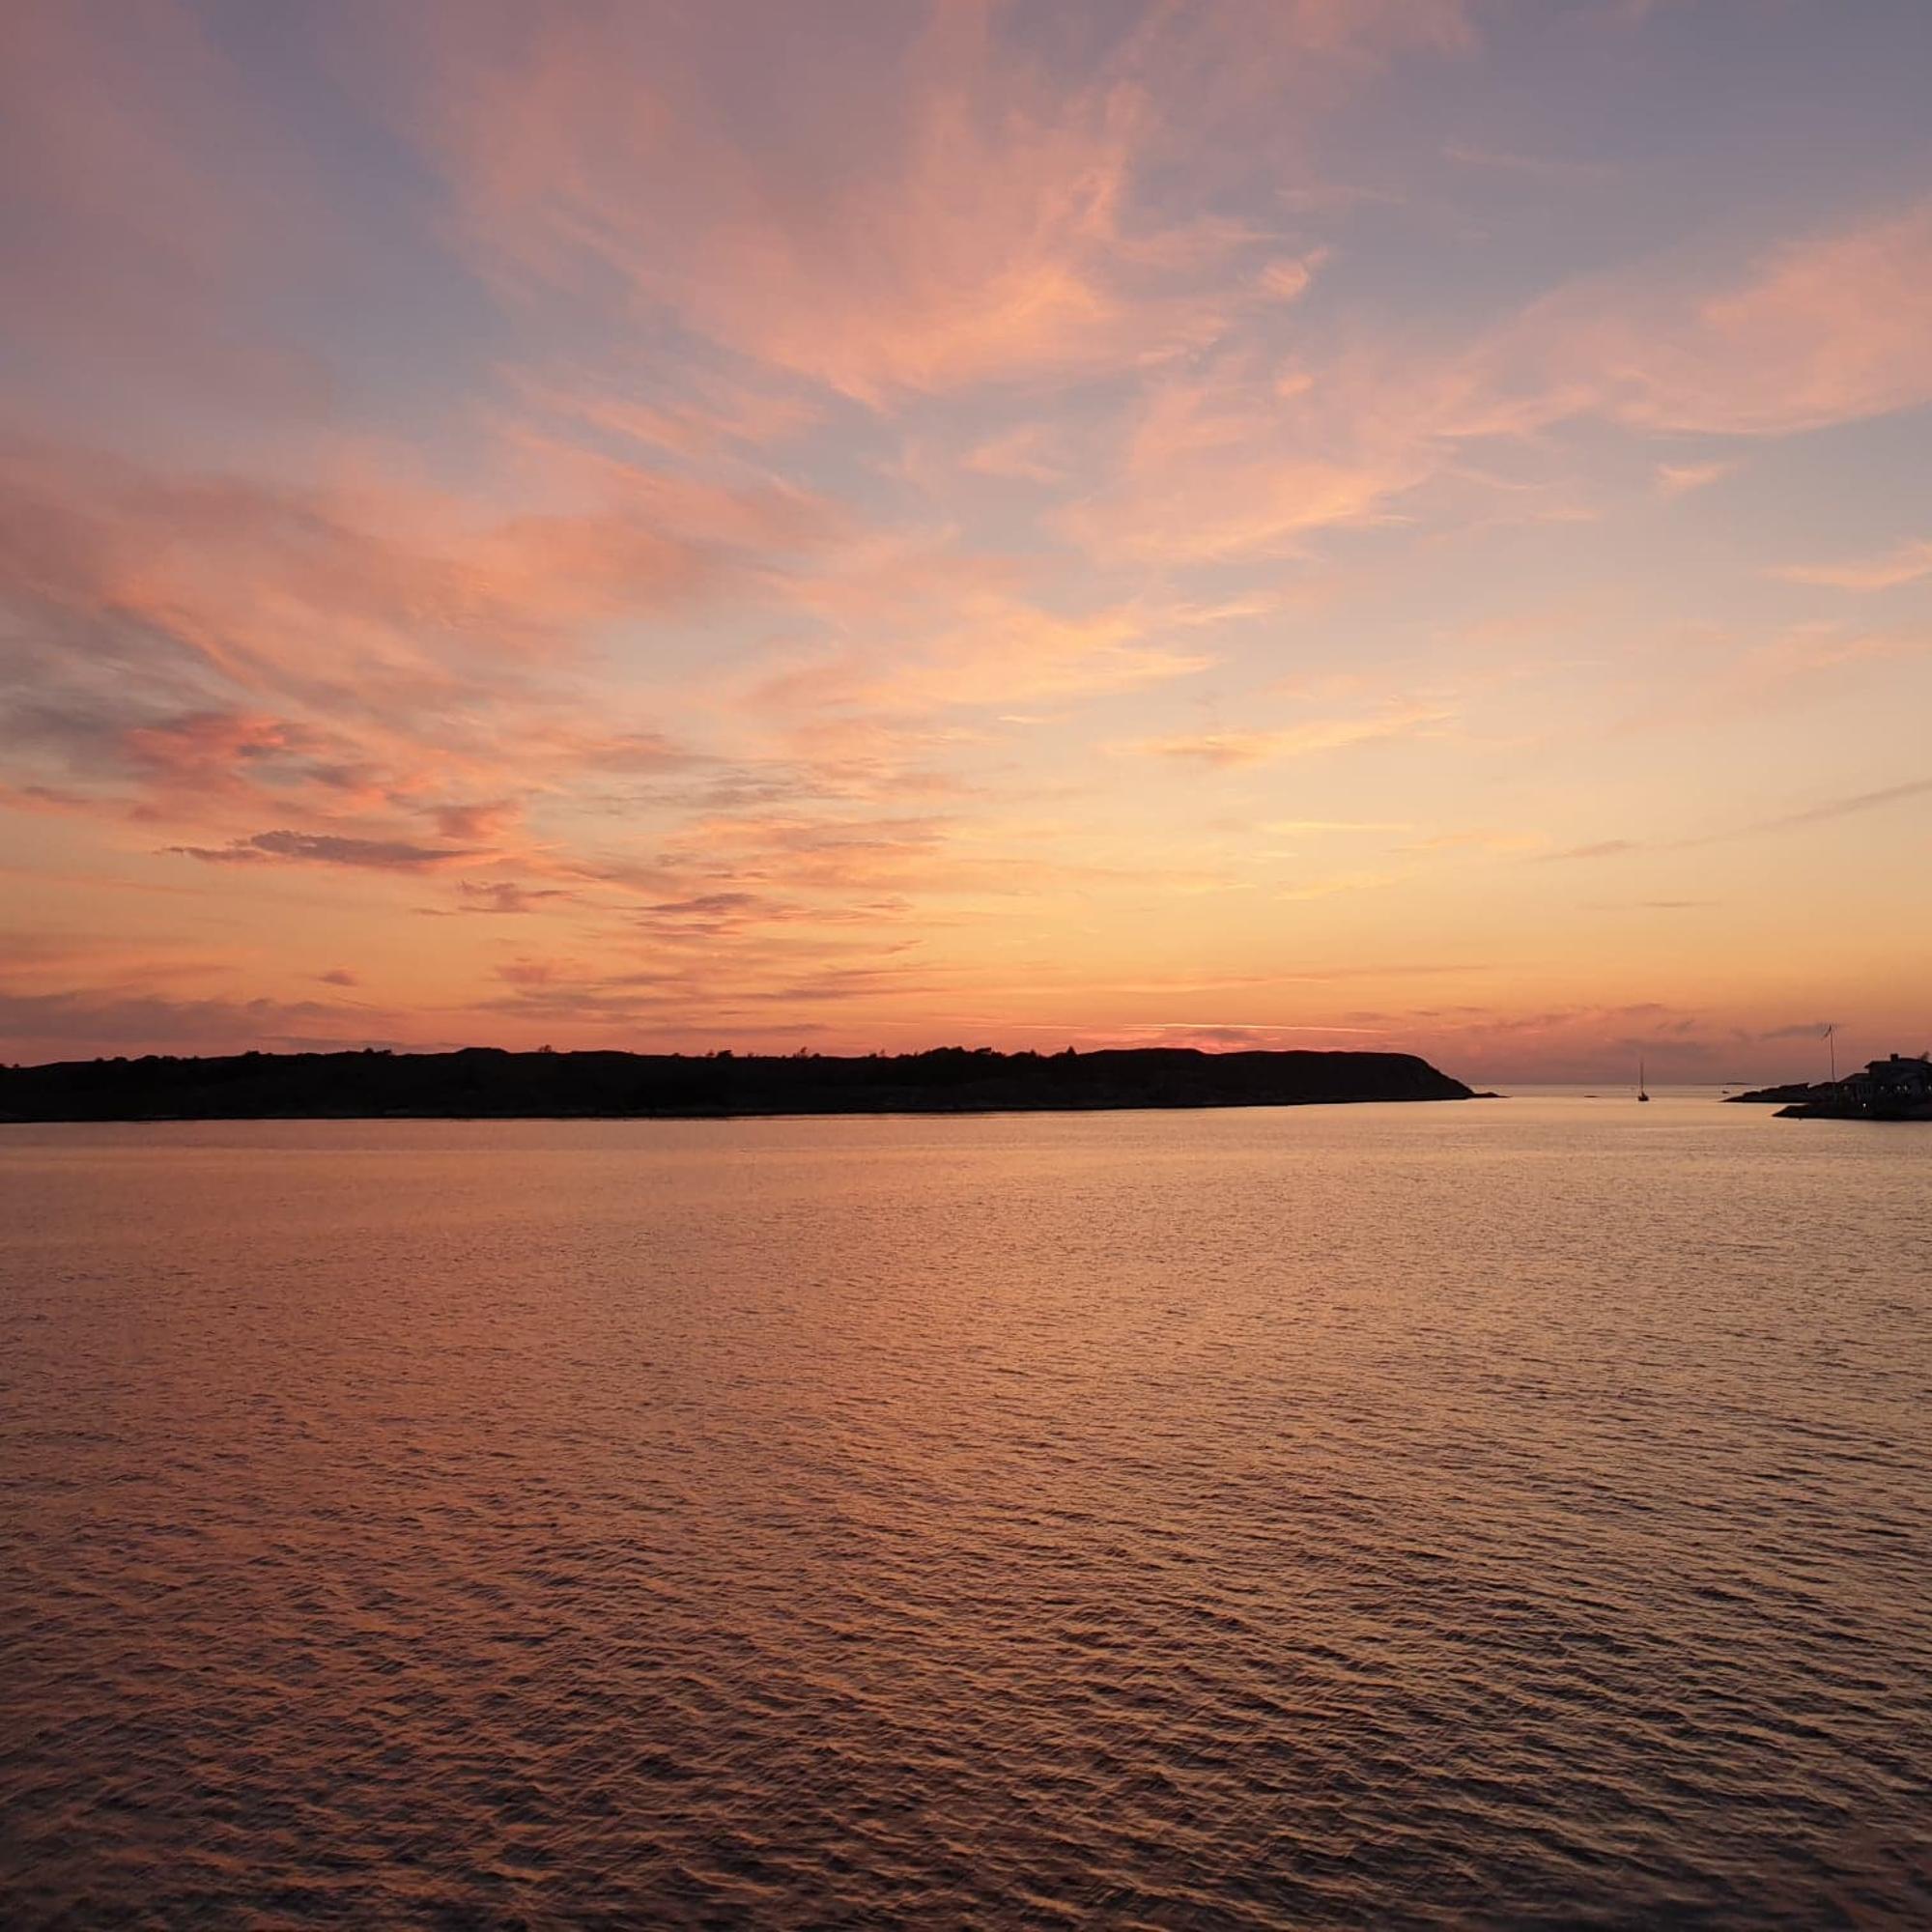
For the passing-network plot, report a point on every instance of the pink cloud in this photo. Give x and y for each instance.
(833, 242)
(864, 271)
(1909, 563)
(1822, 328)
(209, 751)
(1252, 747)
(1234, 461)
(1023, 454)
(475, 822)
(1679, 479)
(385, 679)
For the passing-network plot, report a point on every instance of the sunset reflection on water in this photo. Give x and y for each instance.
(1401, 1516)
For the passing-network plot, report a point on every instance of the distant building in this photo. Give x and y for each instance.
(1893, 1085)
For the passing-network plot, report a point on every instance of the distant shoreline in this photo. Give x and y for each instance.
(491, 1084)
(1897, 1088)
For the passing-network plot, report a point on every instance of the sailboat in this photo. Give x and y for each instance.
(1640, 1094)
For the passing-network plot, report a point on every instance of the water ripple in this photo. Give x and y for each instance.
(1360, 1517)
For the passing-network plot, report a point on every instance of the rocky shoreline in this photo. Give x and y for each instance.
(1895, 1089)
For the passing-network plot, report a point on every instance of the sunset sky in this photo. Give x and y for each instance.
(1298, 523)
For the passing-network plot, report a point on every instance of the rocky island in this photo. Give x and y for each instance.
(489, 1082)
(1792, 1094)
(1897, 1088)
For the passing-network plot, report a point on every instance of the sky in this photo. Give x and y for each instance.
(1392, 524)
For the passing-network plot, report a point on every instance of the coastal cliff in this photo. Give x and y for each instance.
(490, 1083)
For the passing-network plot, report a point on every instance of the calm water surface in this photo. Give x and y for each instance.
(1501, 1515)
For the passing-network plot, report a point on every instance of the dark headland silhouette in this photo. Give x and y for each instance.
(1897, 1088)
(489, 1082)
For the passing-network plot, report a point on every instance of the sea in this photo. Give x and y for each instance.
(1499, 1514)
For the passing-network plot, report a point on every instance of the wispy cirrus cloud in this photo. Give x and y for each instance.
(1876, 800)
(1823, 327)
(1233, 462)
(1025, 453)
(1850, 806)
(864, 273)
(1907, 563)
(1601, 848)
(322, 848)
(840, 252)
(1725, 680)
(1236, 455)
(1263, 746)
(1680, 479)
